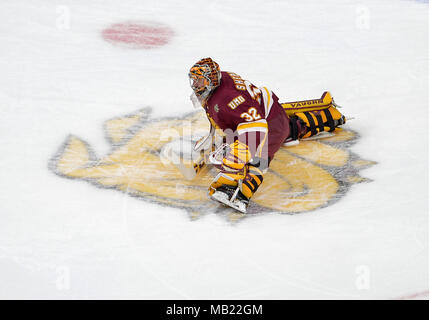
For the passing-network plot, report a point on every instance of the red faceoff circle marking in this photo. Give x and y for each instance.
(138, 35)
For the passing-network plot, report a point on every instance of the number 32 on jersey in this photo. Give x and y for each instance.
(251, 115)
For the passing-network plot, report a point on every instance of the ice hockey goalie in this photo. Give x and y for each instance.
(255, 125)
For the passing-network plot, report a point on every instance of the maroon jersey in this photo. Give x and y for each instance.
(251, 114)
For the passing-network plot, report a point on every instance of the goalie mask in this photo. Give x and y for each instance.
(204, 77)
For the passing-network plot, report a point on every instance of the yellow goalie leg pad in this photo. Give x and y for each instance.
(321, 120)
(238, 156)
(230, 179)
(252, 181)
(324, 102)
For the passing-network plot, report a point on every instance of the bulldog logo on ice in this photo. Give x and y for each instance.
(301, 178)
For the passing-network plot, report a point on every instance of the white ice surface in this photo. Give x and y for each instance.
(106, 244)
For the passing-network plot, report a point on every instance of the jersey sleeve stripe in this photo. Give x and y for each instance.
(268, 100)
(258, 129)
(261, 122)
(260, 125)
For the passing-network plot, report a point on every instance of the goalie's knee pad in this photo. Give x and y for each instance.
(252, 181)
(322, 120)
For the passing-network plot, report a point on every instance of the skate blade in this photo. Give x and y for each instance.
(291, 143)
(320, 135)
(224, 198)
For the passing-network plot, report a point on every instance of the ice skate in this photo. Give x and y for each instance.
(231, 197)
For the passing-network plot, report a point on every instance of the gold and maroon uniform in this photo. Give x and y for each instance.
(248, 114)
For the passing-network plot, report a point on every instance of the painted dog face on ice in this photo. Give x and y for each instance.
(301, 178)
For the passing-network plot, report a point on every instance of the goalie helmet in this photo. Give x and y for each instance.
(204, 77)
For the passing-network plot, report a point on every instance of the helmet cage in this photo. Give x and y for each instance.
(204, 77)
